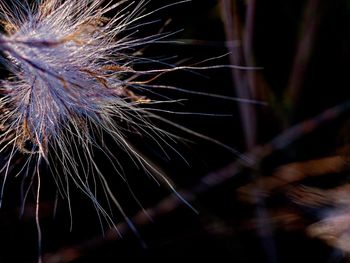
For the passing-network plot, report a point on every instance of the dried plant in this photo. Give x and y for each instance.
(72, 76)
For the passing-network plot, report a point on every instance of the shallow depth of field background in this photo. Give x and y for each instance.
(264, 213)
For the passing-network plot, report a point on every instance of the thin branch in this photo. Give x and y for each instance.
(309, 27)
(239, 78)
(208, 182)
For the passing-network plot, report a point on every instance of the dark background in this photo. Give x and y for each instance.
(223, 230)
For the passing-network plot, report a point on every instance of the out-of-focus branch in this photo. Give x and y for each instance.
(308, 32)
(248, 45)
(209, 181)
(241, 79)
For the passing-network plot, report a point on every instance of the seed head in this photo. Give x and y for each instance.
(71, 77)
(68, 65)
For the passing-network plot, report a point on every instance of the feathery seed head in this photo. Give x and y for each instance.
(68, 68)
(71, 79)
(72, 76)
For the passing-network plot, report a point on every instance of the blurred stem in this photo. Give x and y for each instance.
(208, 182)
(248, 45)
(308, 31)
(241, 79)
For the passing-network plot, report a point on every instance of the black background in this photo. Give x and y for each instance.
(217, 233)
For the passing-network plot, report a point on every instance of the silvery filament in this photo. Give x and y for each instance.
(71, 76)
(72, 80)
